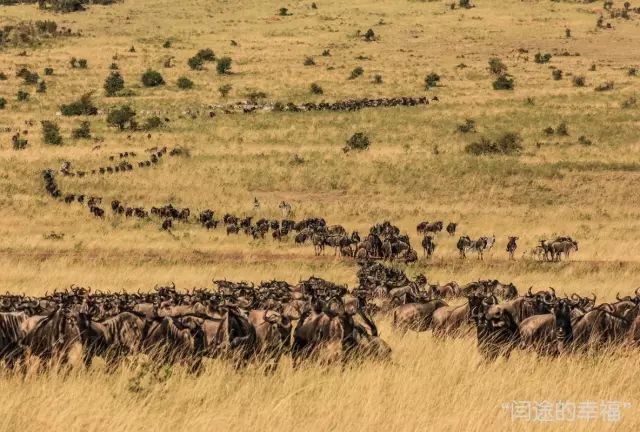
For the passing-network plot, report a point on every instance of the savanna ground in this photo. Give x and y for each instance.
(416, 169)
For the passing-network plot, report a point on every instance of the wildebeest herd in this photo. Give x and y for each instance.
(313, 320)
(384, 240)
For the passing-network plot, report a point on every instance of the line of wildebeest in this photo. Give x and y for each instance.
(384, 240)
(312, 321)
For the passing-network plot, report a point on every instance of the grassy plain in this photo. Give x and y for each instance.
(415, 170)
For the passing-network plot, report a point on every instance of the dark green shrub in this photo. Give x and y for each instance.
(469, 125)
(562, 129)
(22, 96)
(377, 79)
(224, 65)
(579, 81)
(542, 58)
(18, 143)
(593, 67)
(42, 87)
(83, 106)
(113, 84)
(465, 4)
(549, 131)
(28, 76)
(326, 53)
(567, 32)
(51, 133)
(369, 36)
(195, 63)
(184, 83)
(316, 89)
(73, 62)
(358, 141)
(557, 74)
(309, 61)
(114, 66)
(206, 54)
(356, 72)
(121, 117)
(82, 63)
(152, 78)
(83, 131)
(166, 44)
(283, 11)
(583, 140)
(48, 71)
(431, 80)
(3, 76)
(225, 89)
(633, 71)
(152, 123)
(508, 144)
(496, 66)
(3, 103)
(503, 82)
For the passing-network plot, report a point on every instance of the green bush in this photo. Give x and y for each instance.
(195, 63)
(326, 53)
(369, 36)
(3, 103)
(28, 76)
(114, 66)
(377, 79)
(283, 11)
(51, 133)
(503, 82)
(113, 84)
(579, 81)
(206, 54)
(309, 61)
(496, 66)
(632, 71)
(431, 80)
(508, 144)
(557, 74)
(225, 89)
(583, 140)
(19, 143)
(562, 129)
(184, 83)
(48, 71)
(166, 44)
(83, 106)
(3, 76)
(82, 63)
(152, 123)
(121, 117)
(469, 125)
(152, 78)
(316, 89)
(83, 131)
(42, 87)
(358, 141)
(356, 72)
(22, 96)
(224, 65)
(542, 58)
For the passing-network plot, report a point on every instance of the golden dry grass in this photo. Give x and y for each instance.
(556, 186)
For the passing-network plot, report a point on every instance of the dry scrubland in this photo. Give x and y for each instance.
(556, 186)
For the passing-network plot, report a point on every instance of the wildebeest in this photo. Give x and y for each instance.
(512, 246)
(428, 245)
(451, 228)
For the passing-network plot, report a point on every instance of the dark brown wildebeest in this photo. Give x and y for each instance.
(497, 331)
(273, 334)
(451, 228)
(416, 316)
(557, 248)
(232, 229)
(428, 245)
(11, 334)
(512, 246)
(455, 320)
(54, 336)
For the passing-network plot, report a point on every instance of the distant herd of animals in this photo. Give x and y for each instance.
(384, 241)
(313, 320)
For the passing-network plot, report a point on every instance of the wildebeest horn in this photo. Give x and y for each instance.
(529, 293)
(618, 297)
(637, 292)
(553, 290)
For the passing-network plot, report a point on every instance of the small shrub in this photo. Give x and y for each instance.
(184, 83)
(632, 71)
(549, 131)
(562, 129)
(326, 53)
(377, 79)
(51, 133)
(358, 141)
(114, 66)
(579, 81)
(82, 63)
(206, 54)
(83, 131)
(3, 103)
(224, 90)
(18, 143)
(503, 82)
(42, 87)
(469, 125)
(508, 144)
(629, 103)
(557, 74)
(309, 61)
(83, 106)
(465, 4)
(283, 11)
(48, 71)
(369, 36)
(132, 49)
(316, 89)
(121, 117)
(567, 32)
(254, 96)
(113, 84)
(166, 44)
(542, 58)
(356, 72)
(28, 76)
(3, 76)
(73, 62)
(593, 67)
(22, 96)
(152, 78)
(607, 86)
(224, 65)
(152, 123)
(431, 80)
(496, 66)
(583, 140)
(195, 63)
